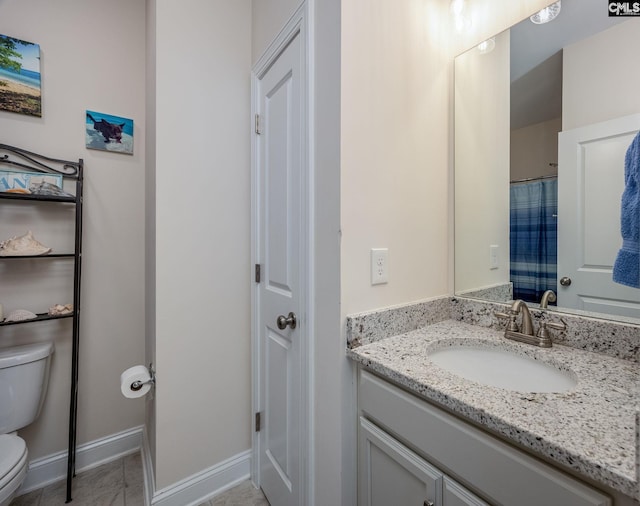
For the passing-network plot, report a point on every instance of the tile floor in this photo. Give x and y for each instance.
(244, 494)
(120, 483)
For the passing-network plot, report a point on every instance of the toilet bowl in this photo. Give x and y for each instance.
(13, 466)
(24, 375)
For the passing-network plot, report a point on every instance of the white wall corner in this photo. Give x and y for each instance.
(147, 469)
(204, 485)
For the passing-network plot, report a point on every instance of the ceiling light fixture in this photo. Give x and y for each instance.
(487, 46)
(547, 14)
(461, 19)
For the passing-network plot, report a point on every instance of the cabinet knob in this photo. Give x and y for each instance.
(429, 503)
(565, 281)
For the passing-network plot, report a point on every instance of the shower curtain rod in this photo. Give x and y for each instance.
(551, 176)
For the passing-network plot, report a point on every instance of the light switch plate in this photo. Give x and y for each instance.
(493, 256)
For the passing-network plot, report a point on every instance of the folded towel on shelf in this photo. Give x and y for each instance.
(626, 269)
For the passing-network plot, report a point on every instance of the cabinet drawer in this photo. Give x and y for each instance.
(494, 469)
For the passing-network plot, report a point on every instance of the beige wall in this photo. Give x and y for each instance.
(202, 211)
(598, 72)
(81, 71)
(394, 180)
(268, 17)
(396, 188)
(533, 148)
(482, 135)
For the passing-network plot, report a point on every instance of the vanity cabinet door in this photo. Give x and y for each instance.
(453, 494)
(500, 472)
(391, 474)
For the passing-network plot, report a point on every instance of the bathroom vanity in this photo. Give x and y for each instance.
(428, 436)
(432, 436)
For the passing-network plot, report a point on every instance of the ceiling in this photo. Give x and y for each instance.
(536, 58)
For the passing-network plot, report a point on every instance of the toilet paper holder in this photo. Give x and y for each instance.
(137, 385)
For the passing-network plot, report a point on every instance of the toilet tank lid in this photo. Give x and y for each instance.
(17, 355)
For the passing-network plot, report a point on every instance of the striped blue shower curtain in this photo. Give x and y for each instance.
(534, 238)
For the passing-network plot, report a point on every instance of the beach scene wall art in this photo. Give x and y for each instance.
(109, 133)
(20, 90)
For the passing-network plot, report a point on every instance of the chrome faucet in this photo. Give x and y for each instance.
(524, 332)
(548, 296)
(520, 306)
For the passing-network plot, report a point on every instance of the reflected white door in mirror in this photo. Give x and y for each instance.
(589, 210)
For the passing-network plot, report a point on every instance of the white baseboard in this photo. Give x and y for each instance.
(191, 491)
(206, 484)
(52, 468)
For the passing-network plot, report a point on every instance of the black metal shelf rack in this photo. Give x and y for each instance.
(26, 161)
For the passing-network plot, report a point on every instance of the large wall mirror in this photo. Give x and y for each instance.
(544, 114)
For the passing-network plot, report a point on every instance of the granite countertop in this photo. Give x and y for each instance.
(590, 429)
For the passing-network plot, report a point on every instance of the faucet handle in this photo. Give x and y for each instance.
(558, 326)
(543, 332)
(511, 316)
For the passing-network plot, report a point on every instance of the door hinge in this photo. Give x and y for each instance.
(257, 273)
(258, 421)
(258, 125)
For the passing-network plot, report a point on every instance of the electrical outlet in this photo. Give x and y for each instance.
(379, 266)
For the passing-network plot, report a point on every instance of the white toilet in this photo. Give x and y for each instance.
(24, 374)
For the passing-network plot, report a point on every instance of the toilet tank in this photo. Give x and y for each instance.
(24, 374)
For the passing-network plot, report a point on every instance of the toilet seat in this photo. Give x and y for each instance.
(13, 465)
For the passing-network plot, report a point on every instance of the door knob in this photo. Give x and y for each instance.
(565, 281)
(283, 321)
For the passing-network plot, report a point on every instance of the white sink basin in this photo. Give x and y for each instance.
(503, 369)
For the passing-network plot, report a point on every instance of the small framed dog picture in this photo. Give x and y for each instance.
(109, 133)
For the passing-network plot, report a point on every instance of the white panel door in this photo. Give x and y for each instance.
(279, 173)
(590, 186)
